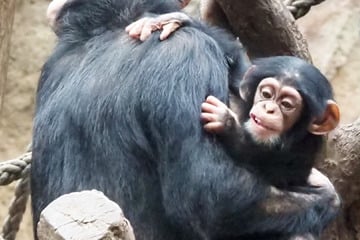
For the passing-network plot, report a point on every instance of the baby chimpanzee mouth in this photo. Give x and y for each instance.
(259, 122)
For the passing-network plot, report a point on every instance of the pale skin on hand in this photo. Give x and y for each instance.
(143, 28)
(167, 23)
(317, 179)
(214, 114)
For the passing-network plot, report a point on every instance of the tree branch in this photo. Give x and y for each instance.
(265, 27)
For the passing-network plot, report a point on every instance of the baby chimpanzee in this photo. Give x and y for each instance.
(285, 106)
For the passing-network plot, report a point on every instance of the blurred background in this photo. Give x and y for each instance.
(332, 30)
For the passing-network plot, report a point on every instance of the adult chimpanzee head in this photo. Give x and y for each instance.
(286, 94)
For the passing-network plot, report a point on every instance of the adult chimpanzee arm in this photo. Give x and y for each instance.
(322, 203)
(226, 201)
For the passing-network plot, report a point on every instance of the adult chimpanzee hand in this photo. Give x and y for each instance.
(317, 179)
(319, 193)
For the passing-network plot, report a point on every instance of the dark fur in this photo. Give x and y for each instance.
(122, 117)
(289, 162)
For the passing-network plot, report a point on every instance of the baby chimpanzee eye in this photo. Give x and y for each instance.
(286, 105)
(266, 93)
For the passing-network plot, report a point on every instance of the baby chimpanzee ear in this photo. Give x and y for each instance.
(246, 87)
(244, 93)
(329, 120)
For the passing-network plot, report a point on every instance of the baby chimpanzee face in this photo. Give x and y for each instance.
(276, 108)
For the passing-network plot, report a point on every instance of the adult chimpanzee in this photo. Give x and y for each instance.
(122, 117)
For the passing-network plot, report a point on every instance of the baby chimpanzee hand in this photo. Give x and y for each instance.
(168, 23)
(218, 117)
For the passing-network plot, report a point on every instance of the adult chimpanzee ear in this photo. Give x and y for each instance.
(329, 120)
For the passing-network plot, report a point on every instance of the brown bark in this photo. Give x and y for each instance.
(265, 27)
(7, 11)
(343, 168)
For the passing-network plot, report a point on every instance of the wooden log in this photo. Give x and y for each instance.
(86, 215)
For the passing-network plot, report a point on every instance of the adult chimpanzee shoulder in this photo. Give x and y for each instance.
(122, 117)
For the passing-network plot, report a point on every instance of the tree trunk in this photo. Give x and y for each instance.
(342, 165)
(266, 28)
(7, 11)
